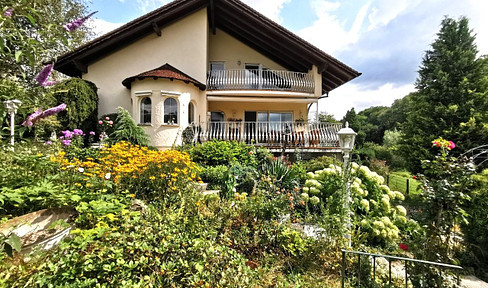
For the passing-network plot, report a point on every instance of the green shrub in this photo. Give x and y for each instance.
(476, 229)
(217, 152)
(126, 129)
(373, 203)
(319, 163)
(214, 175)
(81, 99)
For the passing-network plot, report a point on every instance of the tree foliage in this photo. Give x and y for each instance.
(81, 99)
(451, 101)
(33, 34)
(126, 129)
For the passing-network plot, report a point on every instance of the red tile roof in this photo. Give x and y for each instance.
(167, 72)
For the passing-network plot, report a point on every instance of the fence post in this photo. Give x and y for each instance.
(408, 186)
(343, 268)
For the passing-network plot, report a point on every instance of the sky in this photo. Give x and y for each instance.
(385, 40)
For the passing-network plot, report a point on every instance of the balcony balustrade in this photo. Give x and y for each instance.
(257, 79)
(271, 134)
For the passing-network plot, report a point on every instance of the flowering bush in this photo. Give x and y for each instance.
(144, 172)
(371, 201)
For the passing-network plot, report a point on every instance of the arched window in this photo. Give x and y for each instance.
(145, 111)
(170, 111)
(191, 113)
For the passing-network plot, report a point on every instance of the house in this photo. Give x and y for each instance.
(217, 66)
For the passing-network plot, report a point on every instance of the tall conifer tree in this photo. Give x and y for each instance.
(451, 101)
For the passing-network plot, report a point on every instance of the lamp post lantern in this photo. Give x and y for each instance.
(11, 106)
(347, 136)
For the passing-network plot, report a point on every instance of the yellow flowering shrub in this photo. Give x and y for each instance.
(140, 170)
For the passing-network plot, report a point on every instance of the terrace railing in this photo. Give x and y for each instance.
(271, 134)
(407, 262)
(256, 79)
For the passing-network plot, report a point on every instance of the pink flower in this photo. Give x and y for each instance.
(110, 122)
(402, 246)
(92, 133)
(44, 74)
(53, 110)
(67, 134)
(32, 118)
(72, 26)
(100, 122)
(66, 142)
(107, 118)
(78, 132)
(48, 142)
(8, 12)
(451, 145)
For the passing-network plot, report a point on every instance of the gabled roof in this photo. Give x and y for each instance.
(231, 16)
(166, 71)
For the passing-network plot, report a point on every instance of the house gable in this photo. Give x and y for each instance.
(233, 17)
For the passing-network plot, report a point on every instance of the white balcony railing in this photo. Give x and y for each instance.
(271, 134)
(256, 79)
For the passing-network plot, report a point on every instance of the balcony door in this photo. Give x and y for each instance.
(255, 75)
(217, 75)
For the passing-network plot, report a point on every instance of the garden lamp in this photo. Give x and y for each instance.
(11, 106)
(346, 142)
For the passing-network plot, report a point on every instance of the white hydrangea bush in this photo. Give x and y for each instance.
(375, 208)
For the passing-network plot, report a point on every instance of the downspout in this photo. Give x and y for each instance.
(326, 95)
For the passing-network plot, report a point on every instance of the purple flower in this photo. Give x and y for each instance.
(92, 133)
(67, 134)
(66, 142)
(72, 26)
(48, 142)
(32, 118)
(8, 12)
(44, 74)
(53, 110)
(78, 132)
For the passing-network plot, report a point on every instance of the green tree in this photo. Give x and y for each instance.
(126, 129)
(33, 34)
(81, 99)
(451, 101)
(356, 122)
(328, 118)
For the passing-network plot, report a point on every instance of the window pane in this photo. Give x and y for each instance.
(286, 117)
(274, 117)
(217, 66)
(170, 111)
(145, 111)
(191, 113)
(262, 117)
(217, 116)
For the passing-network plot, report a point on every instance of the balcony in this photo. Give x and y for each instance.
(257, 79)
(272, 134)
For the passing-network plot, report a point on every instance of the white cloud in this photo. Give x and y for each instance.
(384, 11)
(352, 95)
(101, 27)
(328, 32)
(149, 5)
(270, 8)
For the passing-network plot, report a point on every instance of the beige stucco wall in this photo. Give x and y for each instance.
(225, 48)
(162, 135)
(236, 109)
(183, 44)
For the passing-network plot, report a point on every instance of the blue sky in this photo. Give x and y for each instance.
(383, 39)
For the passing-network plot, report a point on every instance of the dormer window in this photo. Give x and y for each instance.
(145, 111)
